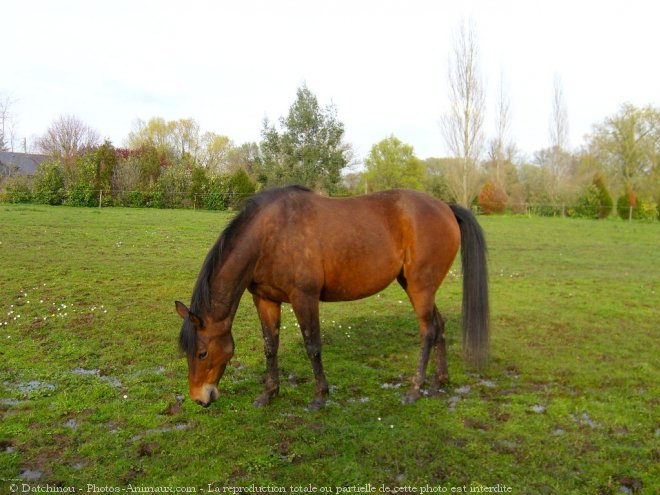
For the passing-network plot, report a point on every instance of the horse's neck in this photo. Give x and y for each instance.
(230, 281)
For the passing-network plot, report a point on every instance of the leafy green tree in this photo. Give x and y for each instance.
(105, 158)
(151, 160)
(216, 150)
(156, 133)
(246, 157)
(392, 163)
(308, 150)
(435, 182)
(628, 144)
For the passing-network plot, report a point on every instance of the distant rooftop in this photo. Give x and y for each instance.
(19, 163)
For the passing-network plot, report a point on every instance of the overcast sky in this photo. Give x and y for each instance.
(229, 64)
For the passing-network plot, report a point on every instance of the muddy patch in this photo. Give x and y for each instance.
(7, 447)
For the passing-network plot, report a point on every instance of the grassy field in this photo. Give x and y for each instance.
(92, 386)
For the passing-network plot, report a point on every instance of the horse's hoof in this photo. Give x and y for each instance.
(262, 401)
(441, 382)
(411, 397)
(316, 404)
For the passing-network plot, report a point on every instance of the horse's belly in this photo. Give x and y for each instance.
(350, 282)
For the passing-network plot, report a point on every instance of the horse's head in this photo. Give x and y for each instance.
(209, 347)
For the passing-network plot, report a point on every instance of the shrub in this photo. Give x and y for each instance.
(172, 189)
(135, 199)
(17, 190)
(588, 204)
(126, 182)
(605, 203)
(492, 199)
(49, 183)
(198, 186)
(595, 201)
(216, 194)
(80, 180)
(647, 210)
(241, 187)
(627, 201)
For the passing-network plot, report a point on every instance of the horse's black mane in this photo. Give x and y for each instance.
(201, 297)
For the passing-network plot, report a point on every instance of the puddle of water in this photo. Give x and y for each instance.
(72, 423)
(111, 380)
(537, 408)
(85, 372)
(31, 475)
(158, 370)
(465, 389)
(162, 429)
(487, 383)
(31, 386)
(585, 420)
(391, 385)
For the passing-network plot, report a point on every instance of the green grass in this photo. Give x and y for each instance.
(90, 372)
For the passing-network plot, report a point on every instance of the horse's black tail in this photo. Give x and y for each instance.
(476, 314)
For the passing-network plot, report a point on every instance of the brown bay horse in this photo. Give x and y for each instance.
(290, 245)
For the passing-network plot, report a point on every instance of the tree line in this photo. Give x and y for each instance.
(175, 164)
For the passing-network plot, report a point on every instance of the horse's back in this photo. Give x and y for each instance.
(350, 248)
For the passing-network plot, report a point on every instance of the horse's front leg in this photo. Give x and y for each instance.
(307, 313)
(270, 315)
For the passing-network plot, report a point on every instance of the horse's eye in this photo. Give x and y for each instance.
(202, 355)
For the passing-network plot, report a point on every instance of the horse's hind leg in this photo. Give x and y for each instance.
(426, 313)
(441, 369)
(270, 316)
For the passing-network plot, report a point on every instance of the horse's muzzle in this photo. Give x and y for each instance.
(205, 395)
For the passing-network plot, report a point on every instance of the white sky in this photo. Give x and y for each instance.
(229, 64)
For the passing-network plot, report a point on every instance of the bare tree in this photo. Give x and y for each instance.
(502, 148)
(185, 136)
(7, 123)
(559, 117)
(462, 126)
(66, 137)
(558, 160)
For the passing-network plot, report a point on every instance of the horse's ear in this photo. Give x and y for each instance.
(181, 309)
(184, 313)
